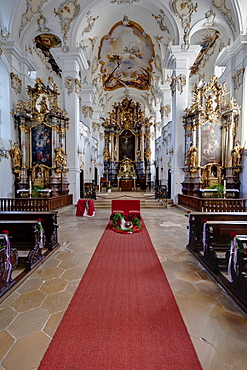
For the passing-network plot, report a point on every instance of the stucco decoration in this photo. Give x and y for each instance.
(184, 10)
(67, 12)
(221, 5)
(45, 42)
(41, 21)
(210, 16)
(238, 78)
(16, 82)
(125, 2)
(125, 55)
(90, 23)
(160, 21)
(34, 7)
(207, 38)
(72, 84)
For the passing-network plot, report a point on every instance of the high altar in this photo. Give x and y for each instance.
(127, 152)
(39, 157)
(212, 155)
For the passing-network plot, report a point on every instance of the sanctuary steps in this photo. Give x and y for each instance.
(147, 200)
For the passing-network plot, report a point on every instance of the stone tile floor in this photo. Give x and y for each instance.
(30, 315)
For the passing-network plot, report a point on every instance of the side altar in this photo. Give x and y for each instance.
(39, 156)
(212, 153)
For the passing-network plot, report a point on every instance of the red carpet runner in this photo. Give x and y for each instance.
(123, 315)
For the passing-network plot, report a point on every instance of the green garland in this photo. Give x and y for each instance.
(118, 217)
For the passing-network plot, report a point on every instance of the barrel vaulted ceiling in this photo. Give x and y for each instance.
(124, 42)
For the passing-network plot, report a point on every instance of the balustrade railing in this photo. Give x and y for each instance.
(35, 204)
(213, 204)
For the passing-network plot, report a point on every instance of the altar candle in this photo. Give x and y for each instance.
(30, 187)
(224, 186)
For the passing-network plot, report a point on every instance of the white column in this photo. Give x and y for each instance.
(180, 62)
(71, 63)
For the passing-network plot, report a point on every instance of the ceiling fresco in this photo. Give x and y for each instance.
(126, 54)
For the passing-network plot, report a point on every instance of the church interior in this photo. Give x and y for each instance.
(140, 99)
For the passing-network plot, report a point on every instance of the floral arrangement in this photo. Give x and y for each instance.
(127, 227)
(239, 244)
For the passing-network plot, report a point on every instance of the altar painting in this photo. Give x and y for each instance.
(127, 145)
(126, 55)
(41, 145)
(211, 143)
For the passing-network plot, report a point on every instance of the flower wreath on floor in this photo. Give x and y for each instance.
(120, 225)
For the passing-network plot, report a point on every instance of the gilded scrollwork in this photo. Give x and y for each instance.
(67, 12)
(184, 10)
(33, 8)
(160, 21)
(221, 5)
(87, 111)
(90, 23)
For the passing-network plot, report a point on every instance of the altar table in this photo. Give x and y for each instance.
(85, 207)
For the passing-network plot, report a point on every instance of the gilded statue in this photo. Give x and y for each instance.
(191, 156)
(237, 152)
(126, 169)
(43, 105)
(16, 154)
(106, 154)
(60, 157)
(148, 154)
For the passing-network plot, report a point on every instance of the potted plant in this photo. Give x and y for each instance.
(108, 188)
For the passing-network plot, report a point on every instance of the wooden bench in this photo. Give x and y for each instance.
(210, 243)
(25, 237)
(195, 225)
(216, 246)
(8, 262)
(49, 223)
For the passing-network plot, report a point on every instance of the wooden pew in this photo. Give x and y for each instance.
(212, 249)
(49, 223)
(195, 225)
(217, 242)
(25, 237)
(8, 262)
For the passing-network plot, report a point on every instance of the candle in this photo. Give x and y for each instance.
(30, 188)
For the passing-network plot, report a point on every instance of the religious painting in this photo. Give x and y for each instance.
(41, 145)
(207, 39)
(127, 145)
(211, 143)
(45, 42)
(125, 55)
